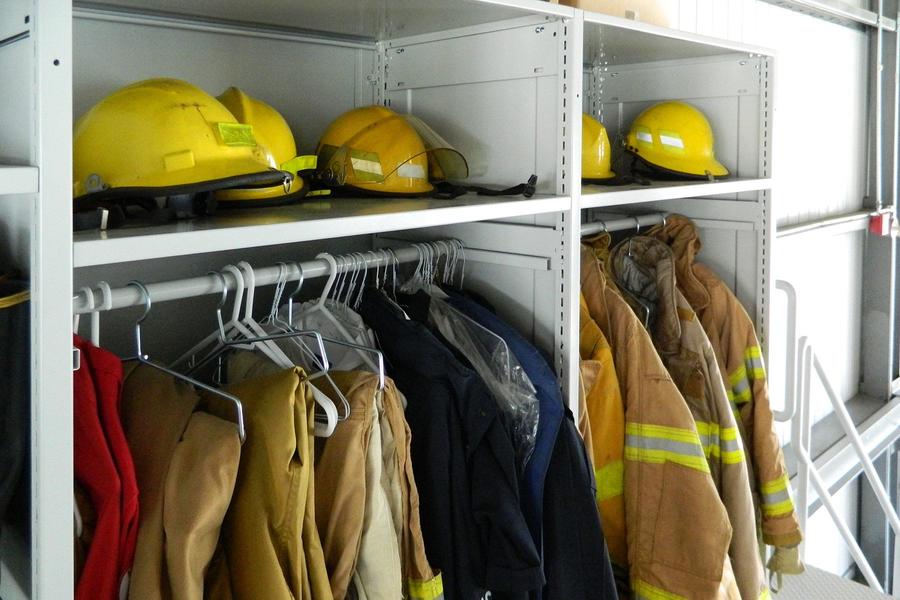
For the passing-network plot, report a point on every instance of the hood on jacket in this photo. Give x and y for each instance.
(644, 270)
(680, 234)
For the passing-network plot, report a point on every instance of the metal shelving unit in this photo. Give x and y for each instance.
(510, 116)
(310, 221)
(595, 196)
(18, 180)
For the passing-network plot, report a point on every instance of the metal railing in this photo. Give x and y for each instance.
(802, 364)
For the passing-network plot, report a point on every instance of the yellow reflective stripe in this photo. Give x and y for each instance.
(754, 361)
(432, 589)
(658, 444)
(659, 457)
(728, 457)
(14, 299)
(644, 591)
(676, 434)
(764, 594)
(306, 162)
(610, 480)
(776, 485)
(740, 386)
(723, 443)
(781, 508)
(776, 497)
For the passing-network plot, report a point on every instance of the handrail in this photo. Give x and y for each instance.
(791, 373)
(801, 433)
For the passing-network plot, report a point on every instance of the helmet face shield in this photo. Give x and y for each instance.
(444, 161)
(387, 153)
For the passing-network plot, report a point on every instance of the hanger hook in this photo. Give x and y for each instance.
(300, 277)
(238, 291)
(637, 224)
(222, 302)
(332, 265)
(148, 304)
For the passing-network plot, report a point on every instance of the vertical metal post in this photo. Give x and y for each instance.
(571, 69)
(51, 311)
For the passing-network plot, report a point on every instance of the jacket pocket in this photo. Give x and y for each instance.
(692, 531)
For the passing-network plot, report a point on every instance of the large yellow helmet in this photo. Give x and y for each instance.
(164, 137)
(596, 155)
(375, 150)
(275, 138)
(675, 137)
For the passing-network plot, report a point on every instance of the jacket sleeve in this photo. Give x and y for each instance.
(511, 560)
(746, 377)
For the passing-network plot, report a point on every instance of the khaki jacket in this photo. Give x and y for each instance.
(602, 425)
(271, 546)
(645, 268)
(737, 350)
(186, 465)
(668, 487)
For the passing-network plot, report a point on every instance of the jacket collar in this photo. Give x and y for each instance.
(680, 234)
(644, 269)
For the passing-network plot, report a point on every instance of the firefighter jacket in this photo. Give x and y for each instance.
(602, 421)
(677, 529)
(645, 270)
(737, 349)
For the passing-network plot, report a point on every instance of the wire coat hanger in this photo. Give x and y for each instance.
(144, 359)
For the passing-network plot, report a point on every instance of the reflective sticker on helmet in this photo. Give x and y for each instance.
(301, 163)
(672, 141)
(236, 134)
(412, 171)
(643, 135)
(366, 166)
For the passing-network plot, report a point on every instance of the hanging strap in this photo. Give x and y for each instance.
(447, 191)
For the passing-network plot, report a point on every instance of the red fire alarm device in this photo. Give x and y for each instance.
(880, 224)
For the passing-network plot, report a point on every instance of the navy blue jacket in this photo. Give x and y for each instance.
(559, 480)
(463, 462)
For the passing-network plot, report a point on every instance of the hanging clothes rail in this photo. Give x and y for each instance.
(622, 223)
(90, 300)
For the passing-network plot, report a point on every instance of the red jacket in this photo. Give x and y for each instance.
(95, 472)
(106, 373)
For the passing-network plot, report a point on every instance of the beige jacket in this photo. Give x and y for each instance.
(645, 270)
(186, 465)
(737, 350)
(668, 487)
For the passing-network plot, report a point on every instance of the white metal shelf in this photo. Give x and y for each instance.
(327, 219)
(18, 180)
(598, 196)
(361, 20)
(615, 41)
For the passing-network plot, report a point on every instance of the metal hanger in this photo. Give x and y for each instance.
(322, 428)
(637, 302)
(224, 331)
(288, 325)
(319, 306)
(144, 359)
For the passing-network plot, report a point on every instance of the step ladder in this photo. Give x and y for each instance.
(802, 364)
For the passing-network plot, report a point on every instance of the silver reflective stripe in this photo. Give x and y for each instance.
(776, 497)
(655, 443)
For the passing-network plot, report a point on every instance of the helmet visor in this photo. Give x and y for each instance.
(402, 146)
(444, 161)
